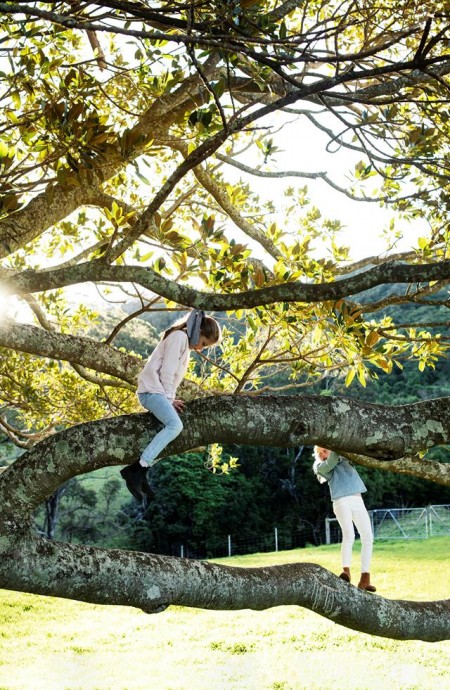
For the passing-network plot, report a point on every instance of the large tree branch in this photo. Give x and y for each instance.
(342, 424)
(78, 350)
(153, 583)
(58, 202)
(43, 211)
(378, 92)
(21, 227)
(238, 124)
(387, 273)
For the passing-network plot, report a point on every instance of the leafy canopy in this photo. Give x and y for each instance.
(132, 135)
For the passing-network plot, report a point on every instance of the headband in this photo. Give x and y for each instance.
(193, 324)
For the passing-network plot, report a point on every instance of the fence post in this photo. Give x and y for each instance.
(276, 538)
(229, 544)
(181, 551)
(327, 531)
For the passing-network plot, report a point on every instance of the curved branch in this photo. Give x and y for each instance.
(84, 352)
(416, 297)
(222, 198)
(41, 212)
(298, 173)
(77, 350)
(413, 466)
(342, 424)
(153, 583)
(23, 226)
(57, 202)
(387, 273)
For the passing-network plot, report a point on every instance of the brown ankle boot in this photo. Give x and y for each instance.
(345, 575)
(364, 583)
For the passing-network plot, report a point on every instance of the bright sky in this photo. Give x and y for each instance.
(302, 148)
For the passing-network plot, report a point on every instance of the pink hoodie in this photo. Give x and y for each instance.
(166, 367)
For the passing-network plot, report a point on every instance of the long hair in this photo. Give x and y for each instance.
(316, 453)
(317, 461)
(209, 328)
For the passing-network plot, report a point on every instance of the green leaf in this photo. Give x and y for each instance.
(15, 96)
(349, 378)
(362, 376)
(142, 177)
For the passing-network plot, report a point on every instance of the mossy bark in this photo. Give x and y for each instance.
(151, 582)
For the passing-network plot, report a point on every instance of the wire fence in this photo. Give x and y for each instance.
(400, 523)
(281, 538)
(387, 523)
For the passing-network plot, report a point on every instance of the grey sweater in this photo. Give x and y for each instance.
(342, 478)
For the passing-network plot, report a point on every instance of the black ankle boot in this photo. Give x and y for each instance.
(134, 475)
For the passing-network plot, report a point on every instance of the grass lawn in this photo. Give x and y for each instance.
(54, 644)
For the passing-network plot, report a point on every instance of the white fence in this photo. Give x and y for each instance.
(400, 523)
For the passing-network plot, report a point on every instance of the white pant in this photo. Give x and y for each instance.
(349, 510)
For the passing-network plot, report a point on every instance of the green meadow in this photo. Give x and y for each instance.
(54, 644)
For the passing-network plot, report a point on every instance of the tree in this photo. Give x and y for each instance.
(123, 126)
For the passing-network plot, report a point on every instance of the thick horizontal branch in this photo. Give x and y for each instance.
(153, 582)
(28, 563)
(80, 350)
(387, 273)
(342, 424)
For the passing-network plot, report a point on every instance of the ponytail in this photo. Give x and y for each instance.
(320, 478)
(196, 324)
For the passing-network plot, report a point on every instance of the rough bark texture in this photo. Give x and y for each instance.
(50, 207)
(151, 582)
(387, 273)
(80, 351)
(75, 349)
(346, 425)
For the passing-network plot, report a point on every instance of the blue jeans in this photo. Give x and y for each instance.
(163, 410)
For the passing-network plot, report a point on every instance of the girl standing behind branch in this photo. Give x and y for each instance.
(157, 385)
(346, 487)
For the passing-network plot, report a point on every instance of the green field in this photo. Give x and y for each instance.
(53, 644)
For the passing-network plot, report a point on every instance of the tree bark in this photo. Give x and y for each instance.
(343, 424)
(388, 273)
(151, 582)
(81, 351)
